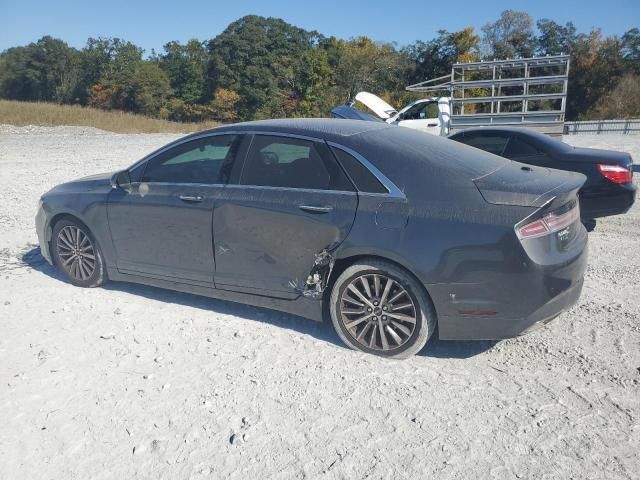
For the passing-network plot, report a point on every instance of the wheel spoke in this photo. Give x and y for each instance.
(394, 335)
(401, 327)
(397, 295)
(383, 336)
(401, 317)
(359, 294)
(372, 340)
(363, 332)
(387, 288)
(356, 322)
(69, 260)
(376, 285)
(64, 243)
(352, 301)
(85, 240)
(365, 285)
(402, 306)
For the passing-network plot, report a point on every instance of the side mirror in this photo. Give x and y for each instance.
(121, 179)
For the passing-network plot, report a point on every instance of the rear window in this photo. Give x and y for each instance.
(360, 175)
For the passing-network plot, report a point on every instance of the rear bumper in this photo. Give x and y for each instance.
(603, 202)
(509, 305)
(487, 328)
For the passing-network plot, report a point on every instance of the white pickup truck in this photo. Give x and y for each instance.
(430, 115)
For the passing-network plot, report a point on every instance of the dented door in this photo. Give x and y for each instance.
(291, 205)
(267, 240)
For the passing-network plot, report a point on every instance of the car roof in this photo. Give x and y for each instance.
(326, 128)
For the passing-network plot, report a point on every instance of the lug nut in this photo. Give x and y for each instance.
(375, 303)
(369, 309)
(384, 317)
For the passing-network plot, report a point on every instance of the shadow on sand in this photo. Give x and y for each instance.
(324, 331)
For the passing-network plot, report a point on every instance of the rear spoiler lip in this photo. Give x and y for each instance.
(550, 198)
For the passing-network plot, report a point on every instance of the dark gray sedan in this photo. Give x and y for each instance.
(387, 231)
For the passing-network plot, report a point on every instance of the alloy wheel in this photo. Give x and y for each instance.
(378, 312)
(76, 252)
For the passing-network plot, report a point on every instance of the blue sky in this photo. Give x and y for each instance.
(151, 24)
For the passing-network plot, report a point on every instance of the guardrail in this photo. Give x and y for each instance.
(624, 127)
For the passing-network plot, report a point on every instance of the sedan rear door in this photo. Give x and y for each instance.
(290, 204)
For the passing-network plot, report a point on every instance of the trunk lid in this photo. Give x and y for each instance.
(527, 186)
(593, 155)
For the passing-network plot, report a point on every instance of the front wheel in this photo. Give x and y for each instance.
(377, 307)
(77, 255)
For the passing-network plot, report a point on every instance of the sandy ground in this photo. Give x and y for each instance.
(128, 381)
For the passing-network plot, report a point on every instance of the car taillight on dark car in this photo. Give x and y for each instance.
(550, 223)
(616, 173)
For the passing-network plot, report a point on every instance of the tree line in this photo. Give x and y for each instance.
(265, 67)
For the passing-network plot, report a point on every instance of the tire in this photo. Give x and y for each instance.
(406, 324)
(76, 254)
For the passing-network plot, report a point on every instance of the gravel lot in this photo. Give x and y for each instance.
(129, 381)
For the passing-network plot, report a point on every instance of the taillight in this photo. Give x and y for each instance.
(616, 173)
(550, 223)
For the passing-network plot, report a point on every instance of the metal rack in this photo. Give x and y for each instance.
(505, 97)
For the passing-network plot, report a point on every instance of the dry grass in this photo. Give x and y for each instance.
(51, 114)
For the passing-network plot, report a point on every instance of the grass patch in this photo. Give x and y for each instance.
(53, 115)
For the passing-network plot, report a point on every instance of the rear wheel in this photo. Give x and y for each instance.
(77, 254)
(379, 308)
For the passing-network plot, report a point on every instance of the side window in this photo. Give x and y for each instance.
(519, 147)
(274, 161)
(489, 143)
(364, 180)
(200, 161)
(422, 111)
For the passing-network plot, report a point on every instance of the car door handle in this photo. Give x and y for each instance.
(432, 124)
(316, 208)
(191, 198)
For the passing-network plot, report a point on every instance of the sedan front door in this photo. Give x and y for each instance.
(161, 225)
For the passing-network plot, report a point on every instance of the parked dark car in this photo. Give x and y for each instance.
(609, 189)
(385, 230)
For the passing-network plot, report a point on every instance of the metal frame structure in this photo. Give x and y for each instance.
(505, 78)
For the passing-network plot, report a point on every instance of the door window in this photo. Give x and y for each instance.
(489, 143)
(519, 147)
(422, 111)
(293, 163)
(200, 161)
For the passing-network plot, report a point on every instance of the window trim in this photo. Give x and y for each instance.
(393, 190)
(151, 157)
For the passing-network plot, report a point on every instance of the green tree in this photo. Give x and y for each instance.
(631, 50)
(511, 36)
(252, 57)
(45, 71)
(555, 39)
(186, 65)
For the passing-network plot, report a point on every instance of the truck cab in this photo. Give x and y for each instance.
(430, 115)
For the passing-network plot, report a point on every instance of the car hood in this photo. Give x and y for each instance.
(85, 184)
(526, 186)
(594, 155)
(376, 105)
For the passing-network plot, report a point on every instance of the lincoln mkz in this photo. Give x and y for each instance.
(388, 232)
